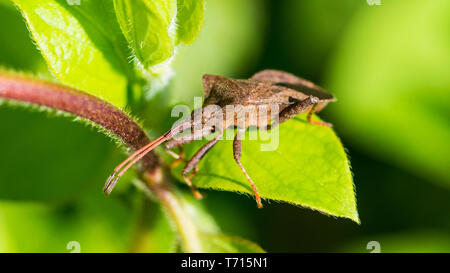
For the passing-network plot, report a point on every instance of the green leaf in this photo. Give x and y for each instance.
(153, 30)
(394, 97)
(82, 45)
(149, 27)
(309, 168)
(189, 19)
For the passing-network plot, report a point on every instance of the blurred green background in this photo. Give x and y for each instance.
(388, 66)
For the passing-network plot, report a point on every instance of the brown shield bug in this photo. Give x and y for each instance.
(291, 94)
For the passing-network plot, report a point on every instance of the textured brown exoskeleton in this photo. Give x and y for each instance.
(292, 95)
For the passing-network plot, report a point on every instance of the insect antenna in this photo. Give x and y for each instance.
(137, 155)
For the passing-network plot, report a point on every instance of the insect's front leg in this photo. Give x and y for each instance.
(178, 142)
(193, 162)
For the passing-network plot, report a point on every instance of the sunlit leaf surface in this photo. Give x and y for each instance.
(309, 168)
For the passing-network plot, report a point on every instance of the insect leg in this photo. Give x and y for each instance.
(192, 163)
(237, 147)
(320, 123)
(178, 142)
(294, 109)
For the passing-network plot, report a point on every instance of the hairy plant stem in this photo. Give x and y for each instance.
(59, 97)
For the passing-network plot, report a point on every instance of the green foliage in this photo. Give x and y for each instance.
(313, 173)
(149, 27)
(89, 47)
(398, 91)
(82, 45)
(190, 19)
(154, 28)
